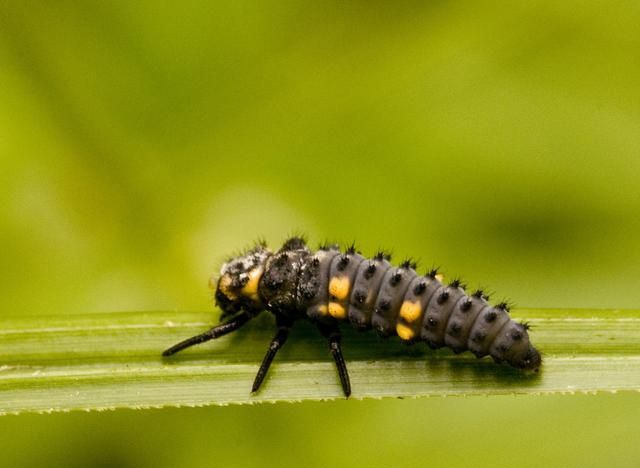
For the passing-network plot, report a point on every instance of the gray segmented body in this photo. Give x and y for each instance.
(371, 293)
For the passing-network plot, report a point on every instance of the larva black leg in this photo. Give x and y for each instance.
(276, 343)
(216, 332)
(336, 350)
(333, 335)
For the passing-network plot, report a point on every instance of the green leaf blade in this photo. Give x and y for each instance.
(106, 361)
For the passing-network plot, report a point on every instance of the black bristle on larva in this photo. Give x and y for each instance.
(382, 255)
(409, 264)
(259, 244)
(294, 243)
(433, 272)
(490, 316)
(330, 286)
(326, 245)
(443, 297)
(370, 270)
(420, 288)
(343, 262)
(479, 293)
(395, 278)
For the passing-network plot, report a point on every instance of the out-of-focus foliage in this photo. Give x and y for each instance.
(141, 142)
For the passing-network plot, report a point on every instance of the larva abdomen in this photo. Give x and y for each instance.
(371, 293)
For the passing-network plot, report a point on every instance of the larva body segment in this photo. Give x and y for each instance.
(390, 297)
(365, 289)
(412, 311)
(464, 315)
(341, 275)
(437, 314)
(328, 287)
(485, 330)
(319, 268)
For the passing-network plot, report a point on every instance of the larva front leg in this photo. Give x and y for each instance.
(215, 332)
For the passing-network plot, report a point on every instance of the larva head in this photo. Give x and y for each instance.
(237, 287)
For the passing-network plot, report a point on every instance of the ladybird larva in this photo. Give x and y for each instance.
(328, 286)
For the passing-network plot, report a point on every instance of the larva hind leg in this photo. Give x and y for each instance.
(332, 333)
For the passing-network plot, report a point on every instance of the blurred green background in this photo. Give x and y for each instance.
(141, 143)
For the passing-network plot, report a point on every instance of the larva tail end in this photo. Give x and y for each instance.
(529, 361)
